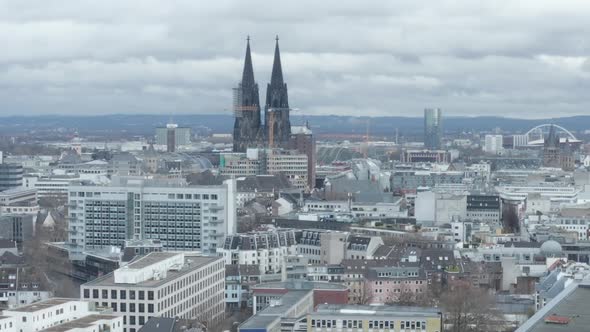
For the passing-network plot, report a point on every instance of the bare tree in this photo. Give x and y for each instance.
(470, 309)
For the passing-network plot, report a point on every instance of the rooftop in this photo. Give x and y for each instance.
(80, 323)
(42, 305)
(386, 310)
(566, 312)
(191, 262)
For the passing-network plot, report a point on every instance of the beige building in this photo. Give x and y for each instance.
(358, 318)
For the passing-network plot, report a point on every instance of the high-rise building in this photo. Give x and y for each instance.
(433, 128)
(173, 136)
(276, 112)
(11, 175)
(133, 208)
(162, 284)
(303, 141)
(493, 144)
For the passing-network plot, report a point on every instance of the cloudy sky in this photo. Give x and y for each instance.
(509, 58)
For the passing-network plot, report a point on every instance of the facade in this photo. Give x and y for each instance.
(359, 318)
(426, 156)
(165, 284)
(182, 217)
(60, 314)
(11, 175)
(267, 250)
(289, 163)
(50, 187)
(17, 227)
(19, 200)
(483, 208)
(31, 286)
(433, 128)
(410, 180)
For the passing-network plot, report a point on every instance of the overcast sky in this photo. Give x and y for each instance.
(509, 58)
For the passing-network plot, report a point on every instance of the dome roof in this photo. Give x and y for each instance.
(551, 248)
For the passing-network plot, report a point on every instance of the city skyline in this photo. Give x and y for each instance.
(397, 59)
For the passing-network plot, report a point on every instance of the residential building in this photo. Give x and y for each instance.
(265, 249)
(182, 217)
(22, 285)
(166, 284)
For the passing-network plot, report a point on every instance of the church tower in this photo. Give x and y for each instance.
(276, 111)
(247, 126)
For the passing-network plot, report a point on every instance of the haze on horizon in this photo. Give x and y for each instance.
(519, 59)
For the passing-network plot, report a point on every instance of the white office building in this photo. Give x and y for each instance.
(182, 217)
(162, 284)
(60, 315)
(493, 144)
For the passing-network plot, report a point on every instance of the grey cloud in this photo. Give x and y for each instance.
(513, 58)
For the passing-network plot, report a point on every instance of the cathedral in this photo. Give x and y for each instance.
(556, 154)
(249, 131)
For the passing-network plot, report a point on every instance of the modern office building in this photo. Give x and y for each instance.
(11, 175)
(60, 315)
(183, 217)
(162, 284)
(433, 128)
(173, 136)
(19, 200)
(493, 144)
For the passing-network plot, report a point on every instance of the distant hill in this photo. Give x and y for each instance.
(383, 126)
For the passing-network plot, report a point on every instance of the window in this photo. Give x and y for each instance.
(141, 307)
(113, 294)
(123, 294)
(150, 295)
(123, 307)
(95, 293)
(141, 295)
(132, 295)
(87, 293)
(150, 308)
(131, 307)
(105, 294)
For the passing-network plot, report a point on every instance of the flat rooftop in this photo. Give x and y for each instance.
(190, 264)
(351, 310)
(80, 323)
(42, 305)
(299, 285)
(569, 309)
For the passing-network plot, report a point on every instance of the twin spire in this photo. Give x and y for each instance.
(276, 77)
